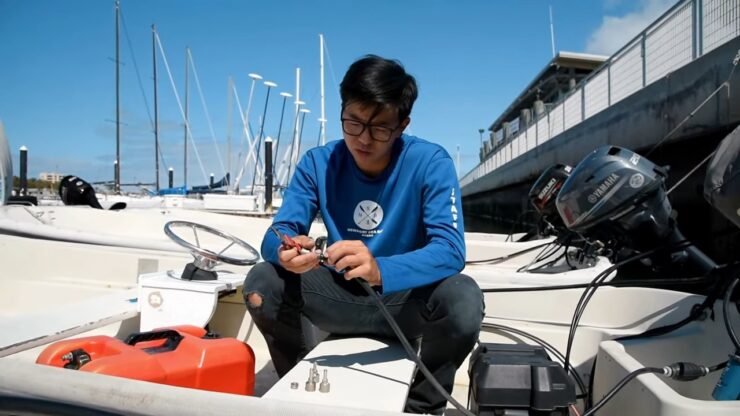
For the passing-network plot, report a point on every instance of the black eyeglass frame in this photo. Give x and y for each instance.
(370, 126)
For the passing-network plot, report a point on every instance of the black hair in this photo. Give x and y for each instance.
(373, 80)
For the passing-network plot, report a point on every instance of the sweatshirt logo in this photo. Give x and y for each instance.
(368, 215)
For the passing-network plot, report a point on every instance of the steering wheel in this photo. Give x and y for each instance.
(204, 258)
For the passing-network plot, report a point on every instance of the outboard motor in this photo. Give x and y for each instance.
(619, 197)
(722, 183)
(76, 191)
(543, 195)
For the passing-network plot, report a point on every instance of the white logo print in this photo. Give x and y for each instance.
(368, 215)
(637, 180)
(453, 209)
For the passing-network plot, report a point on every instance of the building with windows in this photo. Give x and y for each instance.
(50, 176)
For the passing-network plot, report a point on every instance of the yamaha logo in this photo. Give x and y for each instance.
(637, 180)
(602, 189)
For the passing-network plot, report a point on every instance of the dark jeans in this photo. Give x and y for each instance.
(446, 315)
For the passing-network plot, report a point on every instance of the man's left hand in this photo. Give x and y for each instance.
(354, 258)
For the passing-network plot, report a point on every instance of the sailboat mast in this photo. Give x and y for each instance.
(156, 108)
(323, 113)
(228, 129)
(294, 152)
(185, 147)
(117, 173)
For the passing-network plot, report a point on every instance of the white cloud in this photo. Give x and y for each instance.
(616, 31)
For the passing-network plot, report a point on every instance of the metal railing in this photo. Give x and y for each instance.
(688, 30)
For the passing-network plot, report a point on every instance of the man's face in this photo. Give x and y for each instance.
(372, 147)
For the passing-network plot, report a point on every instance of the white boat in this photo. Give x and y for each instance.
(110, 274)
(47, 307)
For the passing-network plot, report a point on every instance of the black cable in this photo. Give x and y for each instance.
(508, 256)
(596, 282)
(619, 386)
(543, 265)
(696, 312)
(564, 240)
(542, 257)
(554, 351)
(516, 222)
(409, 350)
(718, 366)
(681, 371)
(620, 283)
(726, 313)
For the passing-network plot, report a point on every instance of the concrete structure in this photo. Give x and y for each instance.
(553, 83)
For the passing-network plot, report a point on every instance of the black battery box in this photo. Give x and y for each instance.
(516, 379)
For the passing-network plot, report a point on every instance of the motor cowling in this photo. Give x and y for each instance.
(722, 183)
(616, 184)
(546, 188)
(74, 190)
(542, 195)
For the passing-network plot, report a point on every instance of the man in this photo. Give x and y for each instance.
(391, 206)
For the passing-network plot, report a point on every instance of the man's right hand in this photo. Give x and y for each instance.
(297, 263)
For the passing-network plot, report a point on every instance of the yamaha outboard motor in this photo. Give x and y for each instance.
(617, 196)
(543, 195)
(76, 191)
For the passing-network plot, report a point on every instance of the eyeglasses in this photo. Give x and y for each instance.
(379, 133)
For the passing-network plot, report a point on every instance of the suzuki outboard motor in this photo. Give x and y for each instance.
(76, 191)
(543, 195)
(722, 184)
(616, 194)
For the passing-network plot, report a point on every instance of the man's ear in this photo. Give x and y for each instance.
(405, 123)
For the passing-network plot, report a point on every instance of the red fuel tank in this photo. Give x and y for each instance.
(184, 356)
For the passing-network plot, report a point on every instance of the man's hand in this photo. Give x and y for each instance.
(296, 262)
(354, 258)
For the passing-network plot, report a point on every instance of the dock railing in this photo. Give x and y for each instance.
(688, 30)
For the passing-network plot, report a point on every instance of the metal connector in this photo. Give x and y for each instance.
(324, 386)
(315, 373)
(310, 384)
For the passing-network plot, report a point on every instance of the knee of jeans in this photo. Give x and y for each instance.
(463, 303)
(253, 299)
(259, 281)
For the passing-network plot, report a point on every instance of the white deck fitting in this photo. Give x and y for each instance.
(363, 373)
(22, 332)
(167, 300)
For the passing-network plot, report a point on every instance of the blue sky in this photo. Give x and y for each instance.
(470, 58)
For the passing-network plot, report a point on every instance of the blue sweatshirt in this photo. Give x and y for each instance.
(410, 216)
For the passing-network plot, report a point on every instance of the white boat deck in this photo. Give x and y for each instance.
(355, 366)
(22, 332)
